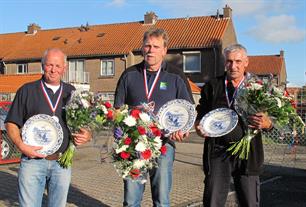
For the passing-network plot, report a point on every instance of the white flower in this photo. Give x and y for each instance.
(279, 102)
(74, 106)
(278, 91)
(138, 163)
(85, 103)
(256, 86)
(144, 117)
(104, 109)
(130, 121)
(140, 147)
(121, 149)
(157, 142)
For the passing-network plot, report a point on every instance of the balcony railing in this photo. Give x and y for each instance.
(76, 77)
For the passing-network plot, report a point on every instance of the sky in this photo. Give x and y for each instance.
(264, 27)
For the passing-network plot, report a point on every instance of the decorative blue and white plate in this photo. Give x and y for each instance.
(177, 114)
(43, 130)
(219, 122)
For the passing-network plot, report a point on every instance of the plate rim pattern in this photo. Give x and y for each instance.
(190, 108)
(48, 118)
(234, 116)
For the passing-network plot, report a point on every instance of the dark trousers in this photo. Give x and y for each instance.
(217, 184)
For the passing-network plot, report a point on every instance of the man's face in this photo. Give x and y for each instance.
(154, 52)
(54, 67)
(236, 63)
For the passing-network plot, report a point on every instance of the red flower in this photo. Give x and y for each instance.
(107, 104)
(146, 154)
(127, 141)
(286, 93)
(293, 104)
(135, 173)
(141, 130)
(125, 155)
(163, 149)
(109, 114)
(259, 82)
(155, 130)
(135, 113)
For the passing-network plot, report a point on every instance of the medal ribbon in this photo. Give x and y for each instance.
(53, 108)
(149, 92)
(229, 103)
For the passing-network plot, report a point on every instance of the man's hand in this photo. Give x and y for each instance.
(14, 134)
(179, 135)
(260, 121)
(199, 129)
(82, 137)
(30, 151)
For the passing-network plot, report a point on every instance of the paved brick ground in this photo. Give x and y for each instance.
(97, 184)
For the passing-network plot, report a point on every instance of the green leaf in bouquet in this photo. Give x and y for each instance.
(119, 117)
(100, 119)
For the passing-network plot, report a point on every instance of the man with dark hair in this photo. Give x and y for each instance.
(158, 81)
(47, 96)
(219, 165)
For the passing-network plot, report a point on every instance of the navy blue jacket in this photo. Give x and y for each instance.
(30, 101)
(172, 84)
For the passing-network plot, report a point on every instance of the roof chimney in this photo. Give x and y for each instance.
(281, 53)
(150, 18)
(227, 12)
(33, 28)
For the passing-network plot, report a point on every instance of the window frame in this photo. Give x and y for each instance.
(101, 68)
(184, 61)
(24, 65)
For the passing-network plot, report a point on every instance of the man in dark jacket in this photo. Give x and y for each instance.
(219, 165)
(47, 96)
(158, 81)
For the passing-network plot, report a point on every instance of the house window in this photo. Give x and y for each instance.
(22, 68)
(107, 68)
(192, 62)
(76, 71)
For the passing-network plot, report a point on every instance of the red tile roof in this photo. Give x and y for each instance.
(112, 39)
(11, 83)
(265, 64)
(194, 87)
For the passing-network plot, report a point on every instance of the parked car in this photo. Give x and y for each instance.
(7, 148)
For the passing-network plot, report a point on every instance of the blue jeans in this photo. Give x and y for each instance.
(161, 183)
(34, 174)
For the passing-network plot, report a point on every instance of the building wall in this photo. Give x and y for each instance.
(104, 83)
(283, 75)
(208, 64)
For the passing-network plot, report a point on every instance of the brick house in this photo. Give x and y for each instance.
(98, 54)
(266, 65)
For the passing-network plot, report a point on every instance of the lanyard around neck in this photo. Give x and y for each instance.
(229, 103)
(150, 91)
(53, 108)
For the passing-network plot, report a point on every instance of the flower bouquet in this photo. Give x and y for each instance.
(257, 96)
(84, 110)
(137, 143)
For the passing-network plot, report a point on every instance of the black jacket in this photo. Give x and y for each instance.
(212, 97)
